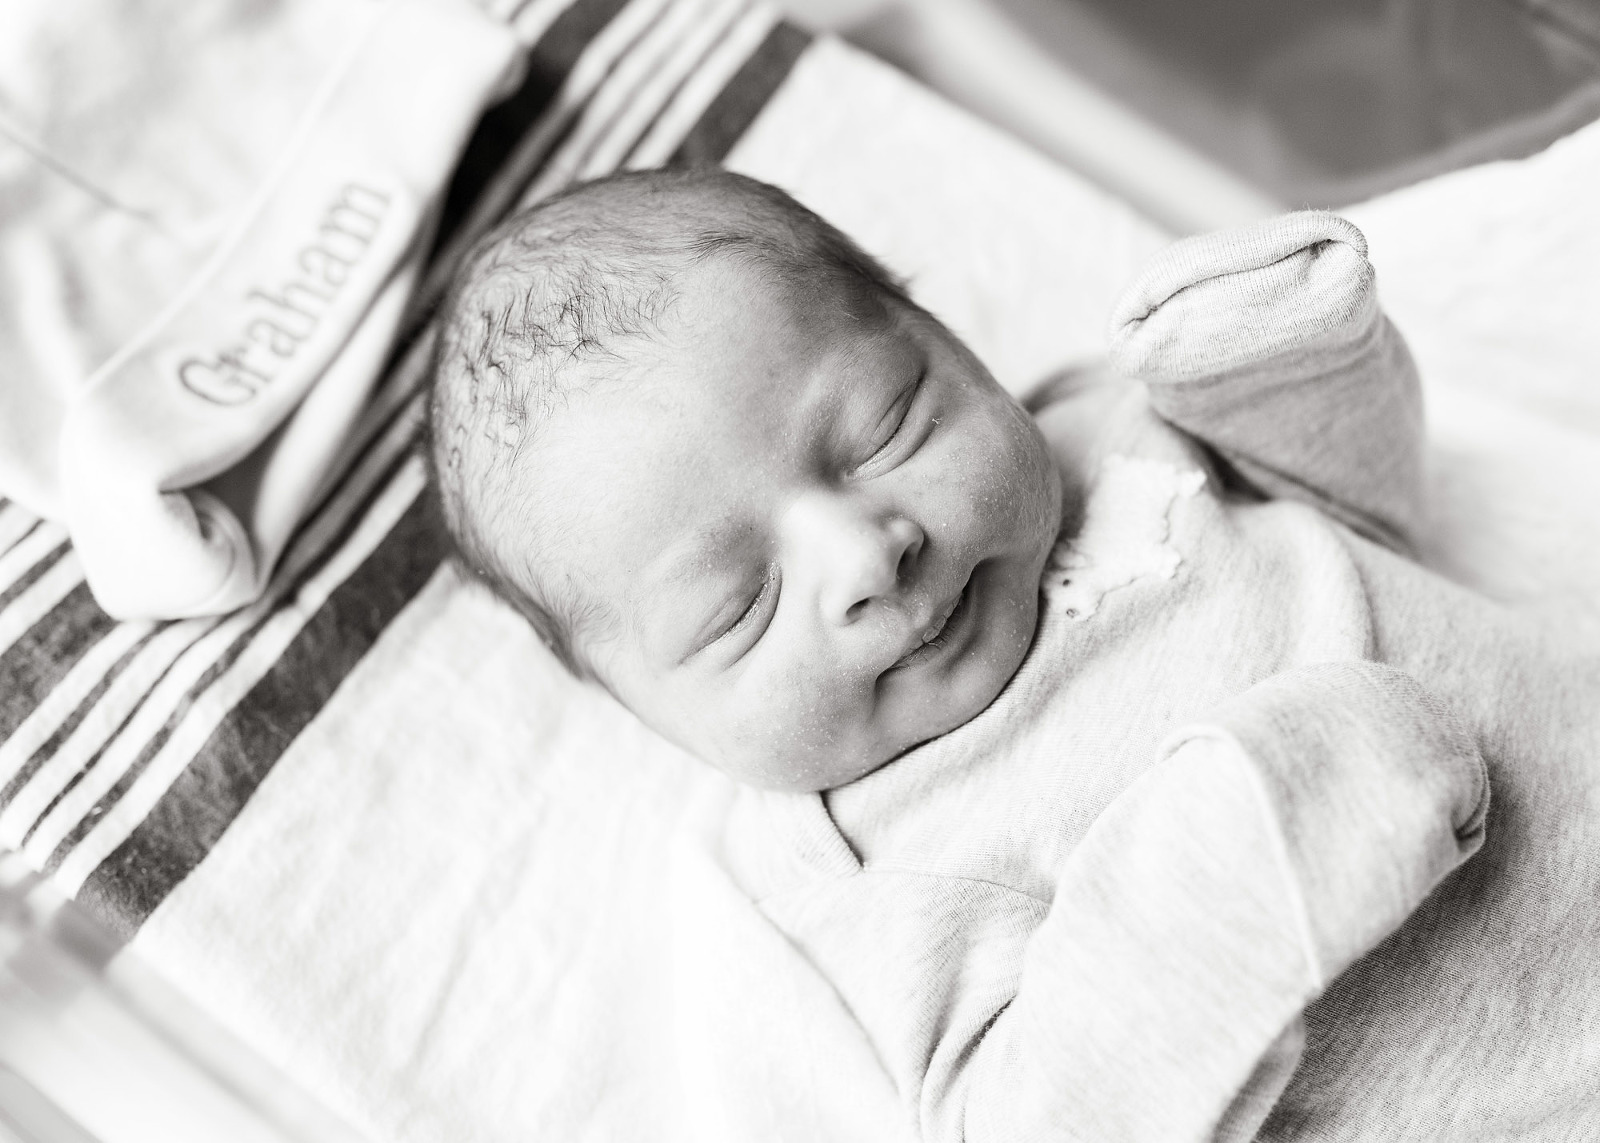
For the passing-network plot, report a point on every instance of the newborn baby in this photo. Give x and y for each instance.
(770, 504)
(1083, 750)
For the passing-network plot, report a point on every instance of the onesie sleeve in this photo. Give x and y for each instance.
(1267, 343)
(1160, 997)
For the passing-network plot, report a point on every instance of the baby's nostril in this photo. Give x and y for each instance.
(908, 559)
(853, 612)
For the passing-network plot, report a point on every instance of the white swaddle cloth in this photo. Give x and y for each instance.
(217, 248)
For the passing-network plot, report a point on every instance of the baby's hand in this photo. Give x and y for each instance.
(1220, 894)
(1295, 292)
(1267, 344)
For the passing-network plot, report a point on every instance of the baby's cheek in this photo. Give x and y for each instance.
(998, 481)
(1026, 478)
(800, 725)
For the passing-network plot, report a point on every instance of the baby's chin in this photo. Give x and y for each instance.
(981, 682)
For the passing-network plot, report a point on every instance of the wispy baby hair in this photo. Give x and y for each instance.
(569, 283)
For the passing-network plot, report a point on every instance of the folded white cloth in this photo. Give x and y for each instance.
(219, 214)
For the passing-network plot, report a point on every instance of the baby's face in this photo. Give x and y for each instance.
(816, 540)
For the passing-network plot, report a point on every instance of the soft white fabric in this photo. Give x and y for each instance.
(206, 276)
(465, 849)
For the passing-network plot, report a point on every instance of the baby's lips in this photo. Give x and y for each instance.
(941, 616)
(924, 632)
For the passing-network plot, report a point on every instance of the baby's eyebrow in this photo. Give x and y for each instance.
(704, 553)
(706, 547)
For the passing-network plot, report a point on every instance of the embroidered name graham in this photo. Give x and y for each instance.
(281, 320)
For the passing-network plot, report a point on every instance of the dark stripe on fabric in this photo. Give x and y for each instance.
(666, 104)
(33, 665)
(376, 435)
(187, 821)
(26, 533)
(37, 662)
(221, 663)
(28, 578)
(39, 757)
(549, 63)
(77, 623)
(738, 104)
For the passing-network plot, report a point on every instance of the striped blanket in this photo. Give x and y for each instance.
(126, 749)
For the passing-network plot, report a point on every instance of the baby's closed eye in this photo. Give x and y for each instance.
(895, 436)
(744, 617)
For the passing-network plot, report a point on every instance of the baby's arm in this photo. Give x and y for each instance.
(1160, 998)
(1267, 344)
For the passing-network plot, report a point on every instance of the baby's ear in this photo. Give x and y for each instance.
(1207, 305)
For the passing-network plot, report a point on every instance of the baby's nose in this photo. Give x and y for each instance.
(874, 561)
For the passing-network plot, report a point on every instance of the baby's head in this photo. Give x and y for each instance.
(730, 471)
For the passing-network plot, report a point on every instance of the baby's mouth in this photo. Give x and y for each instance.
(932, 631)
(937, 632)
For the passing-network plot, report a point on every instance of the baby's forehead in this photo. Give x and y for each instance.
(741, 357)
(741, 377)
(760, 305)
(728, 315)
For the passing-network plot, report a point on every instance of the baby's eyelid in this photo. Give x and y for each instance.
(768, 585)
(905, 401)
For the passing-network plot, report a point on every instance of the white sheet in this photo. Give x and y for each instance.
(1493, 274)
(469, 900)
